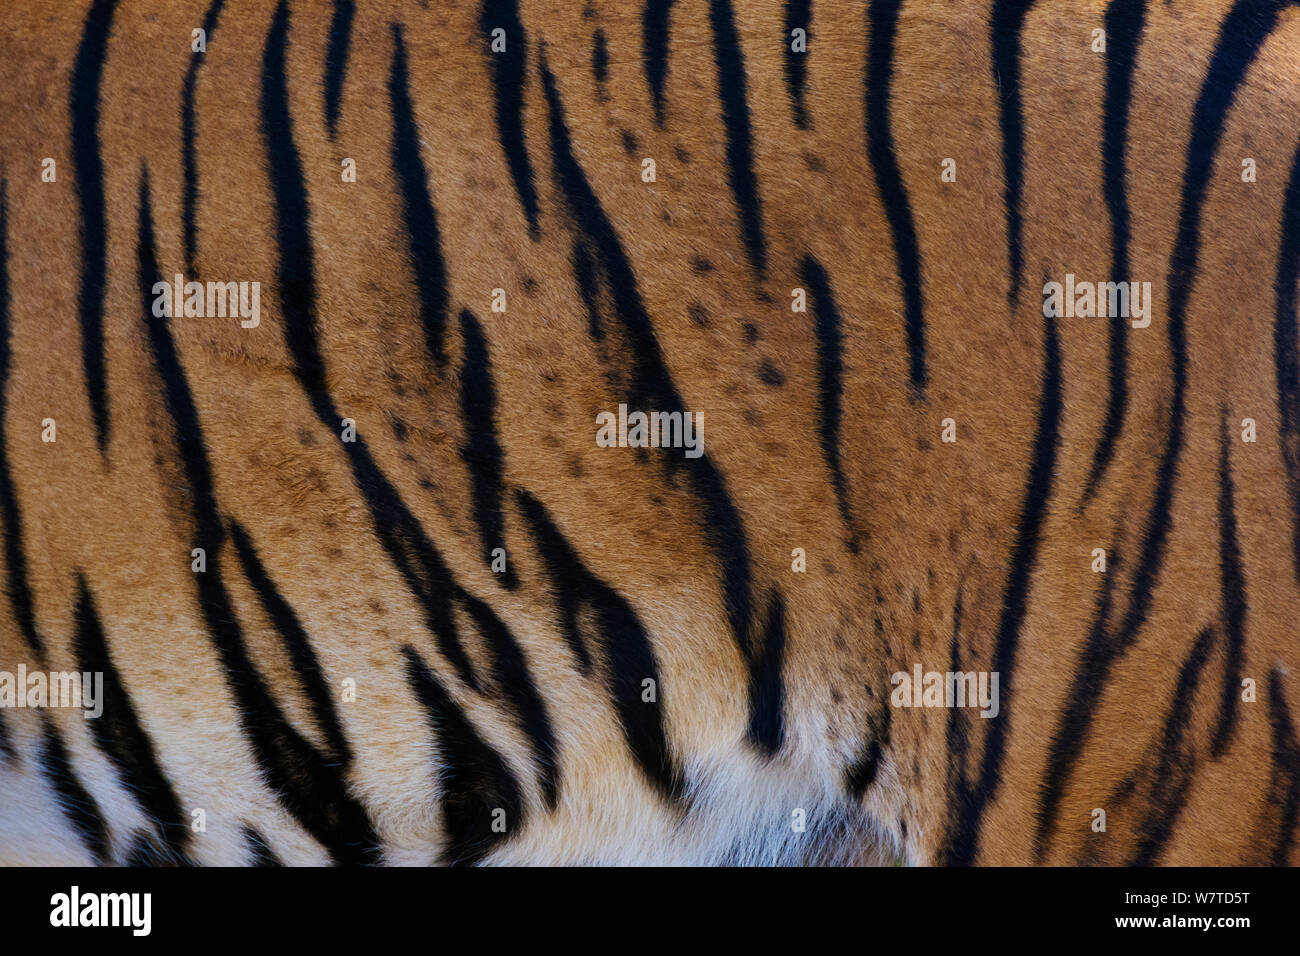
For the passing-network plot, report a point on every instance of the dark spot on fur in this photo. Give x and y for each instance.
(769, 374)
(699, 315)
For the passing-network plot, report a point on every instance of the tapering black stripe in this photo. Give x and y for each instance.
(798, 15)
(1086, 686)
(1286, 362)
(474, 780)
(629, 658)
(735, 118)
(600, 61)
(481, 450)
(1175, 761)
(862, 772)
(1244, 29)
(1232, 588)
(7, 749)
(958, 731)
(78, 806)
(118, 733)
(189, 155)
(417, 206)
(302, 656)
(84, 108)
(968, 807)
(336, 62)
(401, 535)
(259, 851)
(509, 69)
(1125, 20)
(1007, 22)
(1285, 788)
(830, 385)
(766, 683)
(655, 21)
(16, 583)
(883, 16)
(651, 384)
(310, 787)
(511, 676)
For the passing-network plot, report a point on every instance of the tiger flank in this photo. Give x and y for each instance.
(672, 432)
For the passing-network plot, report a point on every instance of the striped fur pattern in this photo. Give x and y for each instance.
(650, 679)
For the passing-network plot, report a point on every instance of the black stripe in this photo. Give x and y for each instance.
(1175, 761)
(798, 14)
(78, 806)
(651, 384)
(1232, 588)
(969, 804)
(766, 686)
(1285, 332)
(830, 385)
(1007, 22)
(473, 779)
(508, 72)
(512, 679)
(417, 203)
(1085, 691)
(861, 773)
(336, 62)
(889, 180)
(84, 107)
(310, 786)
(628, 652)
(600, 61)
(1124, 22)
(654, 51)
(16, 584)
(189, 156)
(481, 450)
(7, 749)
(403, 538)
(1285, 788)
(118, 732)
(735, 117)
(258, 849)
(302, 656)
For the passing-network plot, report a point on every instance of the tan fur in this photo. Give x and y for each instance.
(937, 520)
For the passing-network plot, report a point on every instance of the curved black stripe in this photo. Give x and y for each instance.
(481, 451)
(1285, 783)
(473, 779)
(417, 203)
(508, 72)
(1285, 332)
(1232, 588)
(1244, 29)
(861, 773)
(629, 657)
(84, 108)
(77, 805)
(16, 584)
(798, 14)
(336, 62)
(1124, 23)
(735, 118)
(969, 803)
(410, 550)
(189, 156)
(883, 16)
(259, 850)
(654, 51)
(766, 684)
(1175, 761)
(651, 384)
(309, 786)
(302, 656)
(1007, 21)
(118, 733)
(830, 384)
(513, 680)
